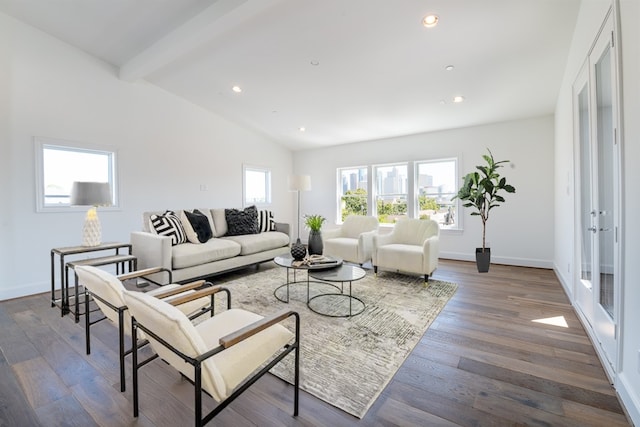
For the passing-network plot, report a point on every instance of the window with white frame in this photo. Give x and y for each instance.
(352, 192)
(257, 185)
(436, 184)
(391, 189)
(60, 163)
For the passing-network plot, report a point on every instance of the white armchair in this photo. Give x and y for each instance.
(412, 247)
(353, 240)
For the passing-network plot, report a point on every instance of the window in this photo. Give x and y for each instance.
(391, 189)
(352, 192)
(257, 186)
(398, 193)
(60, 163)
(436, 185)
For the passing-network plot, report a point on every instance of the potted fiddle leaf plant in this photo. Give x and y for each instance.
(314, 224)
(483, 190)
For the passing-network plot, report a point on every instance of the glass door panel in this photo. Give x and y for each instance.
(604, 96)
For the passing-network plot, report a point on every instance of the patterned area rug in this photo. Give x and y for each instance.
(347, 362)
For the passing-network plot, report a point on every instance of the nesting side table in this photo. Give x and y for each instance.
(120, 260)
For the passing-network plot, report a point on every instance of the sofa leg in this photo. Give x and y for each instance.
(375, 269)
(426, 278)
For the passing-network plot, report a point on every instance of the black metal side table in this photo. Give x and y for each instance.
(120, 260)
(342, 274)
(290, 264)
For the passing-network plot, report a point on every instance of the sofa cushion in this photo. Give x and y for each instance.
(168, 224)
(254, 243)
(242, 221)
(197, 226)
(219, 222)
(190, 254)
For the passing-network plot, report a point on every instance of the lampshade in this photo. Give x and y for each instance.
(299, 183)
(90, 194)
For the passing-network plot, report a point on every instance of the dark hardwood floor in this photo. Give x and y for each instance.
(485, 361)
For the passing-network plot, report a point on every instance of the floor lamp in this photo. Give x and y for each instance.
(92, 194)
(299, 183)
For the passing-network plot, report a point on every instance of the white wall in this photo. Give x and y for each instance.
(592, 14)
(166, 148)
(519, 232)
(629, 377)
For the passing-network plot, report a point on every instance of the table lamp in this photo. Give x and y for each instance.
(92, 194)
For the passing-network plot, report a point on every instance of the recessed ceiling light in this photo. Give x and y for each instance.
(302, 129)
(458, 99)
(449, 67)
(430, 21)
(315, 63)
(236, 89)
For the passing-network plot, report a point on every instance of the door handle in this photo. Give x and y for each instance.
(593, 229)
(605, 229)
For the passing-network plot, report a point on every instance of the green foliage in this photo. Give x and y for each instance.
(385, 210)
(314, 222)
(428, 203)
(355, 203)
(481, 190)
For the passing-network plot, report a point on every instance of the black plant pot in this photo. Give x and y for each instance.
(298, 250)
(483, 259)
(315, 243)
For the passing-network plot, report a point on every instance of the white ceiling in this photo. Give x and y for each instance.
(380, 73)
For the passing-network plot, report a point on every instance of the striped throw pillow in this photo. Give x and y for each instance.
(265, 221)
(168, 224)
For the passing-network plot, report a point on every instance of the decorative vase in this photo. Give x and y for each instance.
(315, 243)
(483, 259)
(298, 250)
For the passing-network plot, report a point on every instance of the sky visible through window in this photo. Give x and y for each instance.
(62, 166)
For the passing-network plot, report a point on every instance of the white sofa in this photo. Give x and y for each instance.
(221, 253)
(412, 246)
(353, 240)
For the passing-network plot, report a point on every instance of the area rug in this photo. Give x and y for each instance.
(347, 362)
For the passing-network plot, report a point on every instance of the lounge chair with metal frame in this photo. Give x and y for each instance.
(223, 355)
(106, 290)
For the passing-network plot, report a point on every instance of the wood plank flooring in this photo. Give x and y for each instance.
(483, 362)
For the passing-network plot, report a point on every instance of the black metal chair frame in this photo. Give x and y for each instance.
(122, 353)
(197, 363)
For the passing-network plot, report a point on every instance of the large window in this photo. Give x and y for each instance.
(391, 188)
(257, 185)
(352, 192)
(60, 163)
(436, 185)
(415, 189)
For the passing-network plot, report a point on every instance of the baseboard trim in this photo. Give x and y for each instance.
(630, 400)
(520, 262)
(24, 290)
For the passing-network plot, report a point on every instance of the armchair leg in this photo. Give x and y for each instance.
(426, 278)
(375, 269)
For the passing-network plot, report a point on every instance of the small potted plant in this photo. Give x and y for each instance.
(481, 191)
(314, 224)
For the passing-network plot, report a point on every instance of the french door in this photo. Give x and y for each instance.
(597, 171)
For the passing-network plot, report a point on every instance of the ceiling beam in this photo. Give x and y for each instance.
(209, 24)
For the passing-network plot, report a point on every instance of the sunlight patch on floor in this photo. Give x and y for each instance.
(555, 321)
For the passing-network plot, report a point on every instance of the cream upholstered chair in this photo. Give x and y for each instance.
(412, 247)
(107, 292)
(222, 355)
(353, 240)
